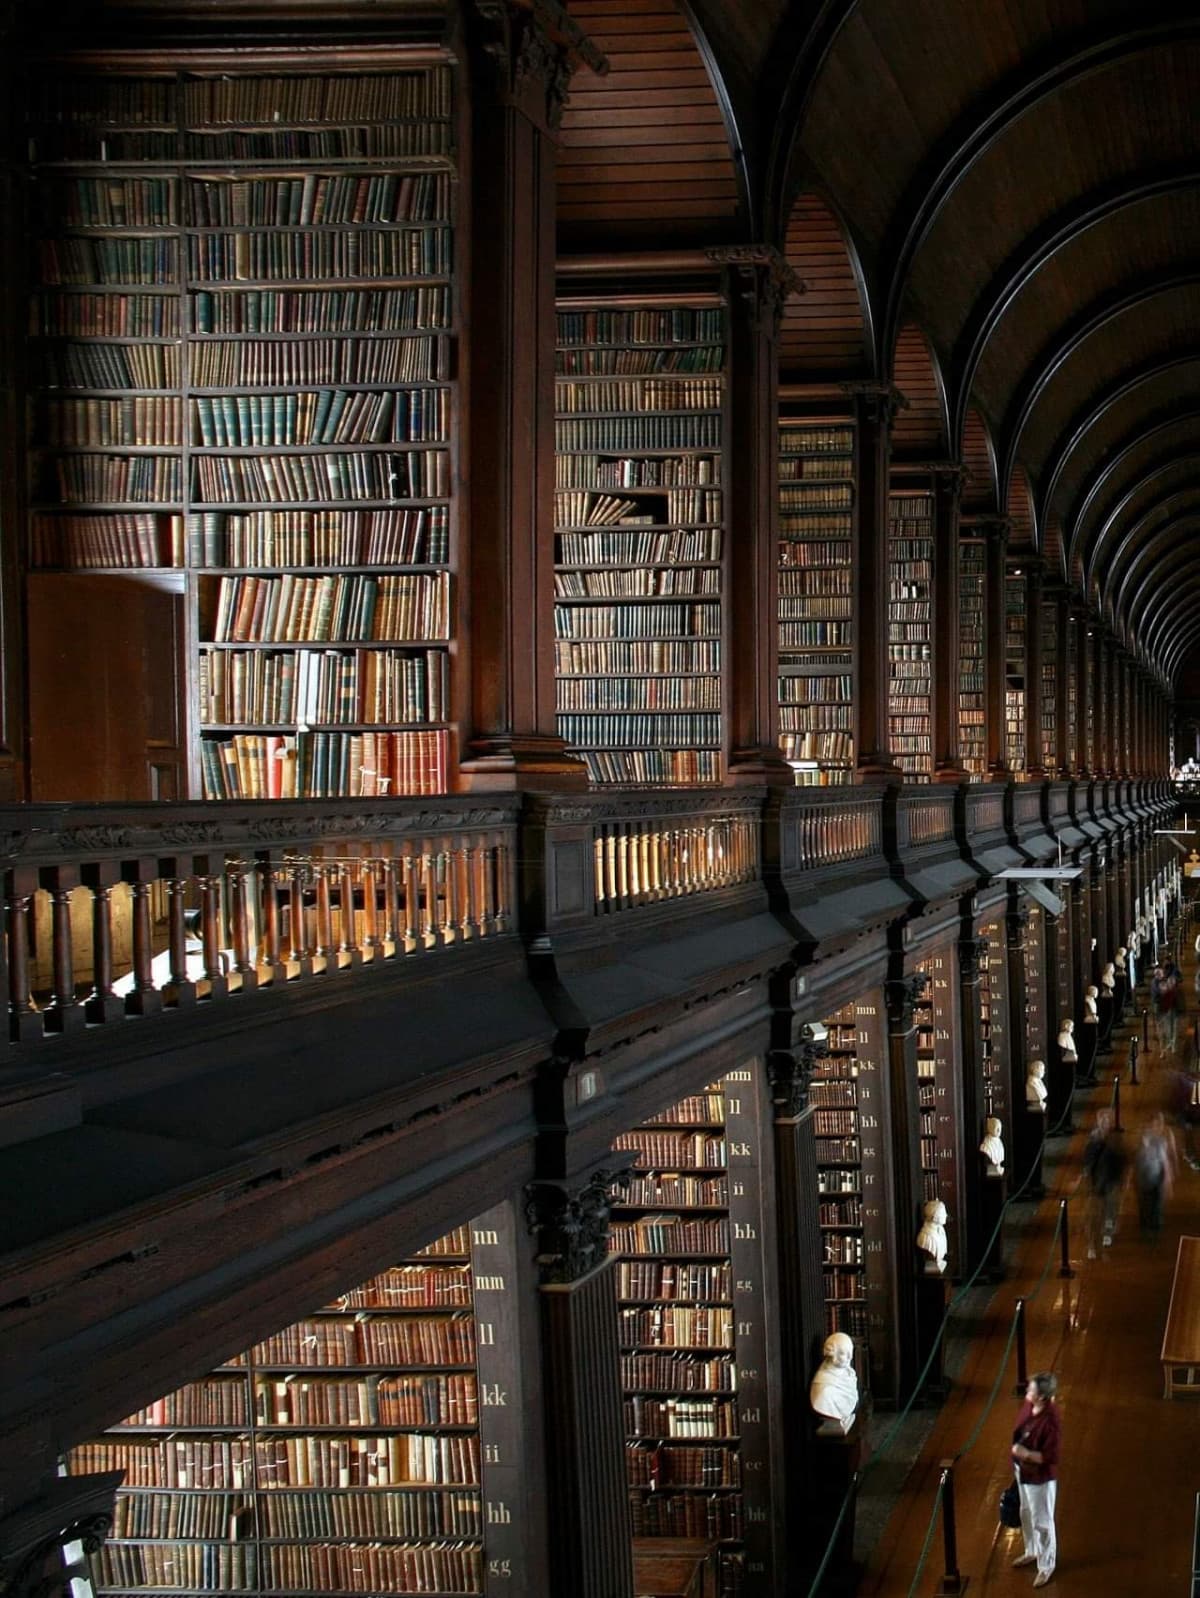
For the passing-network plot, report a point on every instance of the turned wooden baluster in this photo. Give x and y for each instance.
(452, 918)
(300, 953)
(349, 948)
(24, 1017)
(143, 998)
(324, 952)
(412, 899)
(63, 1013)
(429, 887)
(372, 943)
(179, 989)
(240, 879)
(504, 887)
(470, 902)
(102, 1004)
(393, 937)
(210, 934)
(271, 967)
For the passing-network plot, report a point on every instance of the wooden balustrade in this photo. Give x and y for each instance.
(129, 910)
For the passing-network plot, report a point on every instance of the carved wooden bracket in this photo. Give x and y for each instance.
(903, 996)
(32, 1538)
(761, 279)
(790, 1073)
(571, 1224)
(535, 48)
(876, 402)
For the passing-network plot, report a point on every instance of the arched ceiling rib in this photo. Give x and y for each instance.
(1023, 178)
(826, 330)
(980, 488)
(919, 430)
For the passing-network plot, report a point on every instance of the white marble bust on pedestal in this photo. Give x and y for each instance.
(1035, 1087)
(833, 1392)
(992, 1147)
(931, 1239)
(1091, 1010)
(1066, 1040)
(1108, 980)
(1119, 962)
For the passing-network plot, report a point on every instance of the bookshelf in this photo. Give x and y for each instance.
(1033, 960)
(993, 1007)
(936, 1015)
(910, 646)
(640, 427)
(341, 1455)
(687, 1231)
(816, 598)
(972, 658)
(1074, 752)
(1014, 673)
(243, 311)
(850, 1174)
(1049, 689)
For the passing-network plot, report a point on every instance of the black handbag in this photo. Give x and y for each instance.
(1010, 1506)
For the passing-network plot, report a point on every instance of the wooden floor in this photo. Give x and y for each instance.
(1131, 1460)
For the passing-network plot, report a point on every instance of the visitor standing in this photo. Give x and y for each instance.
(1035, 1448)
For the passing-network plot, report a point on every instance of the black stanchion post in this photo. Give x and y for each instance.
(1116, 1105)
(1022, 1381)
(1145, 1027)
(1133, 1062)
(953, 1581)
(1065, 1239)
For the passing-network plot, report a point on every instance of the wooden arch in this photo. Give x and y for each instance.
(981, 492)
(920, 430)
(827, 331)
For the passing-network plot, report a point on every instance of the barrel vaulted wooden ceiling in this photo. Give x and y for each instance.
(995, 204)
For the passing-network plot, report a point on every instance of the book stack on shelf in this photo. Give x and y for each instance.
(341, 1455)
(839, 1135)
(1073, 754)
(1014, 673)
(686, 1232)
(816, 599)
(910, 647)
(993, 1009)
(243, 312)
(1049, 698)
(972, 658)
(1033, 958)
(938, 1091)
(640, 540)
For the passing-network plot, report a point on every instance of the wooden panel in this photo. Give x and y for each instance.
(104, 659)
(1019, 509)
(979, 463)
(646, 143)
(823, 330)
(919, 430)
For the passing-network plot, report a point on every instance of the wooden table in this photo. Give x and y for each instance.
(674, 1567)
(1181, 1336)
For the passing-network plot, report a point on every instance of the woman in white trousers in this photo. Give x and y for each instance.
(1035, 1449)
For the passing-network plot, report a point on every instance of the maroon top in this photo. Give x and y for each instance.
(1041, 1433)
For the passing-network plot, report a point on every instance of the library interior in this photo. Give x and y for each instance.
(383, 382)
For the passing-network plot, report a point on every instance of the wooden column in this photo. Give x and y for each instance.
(947, 497)
(588, 1500)
(996, 540)
(1084, 687)
(1035, 765)
(522, 57)
(801, 1286)
(902, 993)
(875, 405)
(757, 282)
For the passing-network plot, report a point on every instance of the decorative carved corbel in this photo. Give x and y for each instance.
(761, 279)
(534, 48)
(903, 995)
(876, 402)
(790, 1073)
(970, 956)
(72, 1509)
(571, 1225)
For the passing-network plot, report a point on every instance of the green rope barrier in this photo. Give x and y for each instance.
(937, 1504)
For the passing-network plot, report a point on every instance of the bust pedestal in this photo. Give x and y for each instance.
(1105, 1006)
(992, 1194)
(1029, 1127)
(835, 1460)
(1120, 998)
(1085, 1071)
(931, 1311)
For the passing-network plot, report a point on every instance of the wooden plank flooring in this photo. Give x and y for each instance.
(1131, 1460)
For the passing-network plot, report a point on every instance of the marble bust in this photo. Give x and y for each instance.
(931, 1239)
(1035, 1087)
(1091, 1011)
(1066, 1040)
(1108, 979)
(1119, 962)
(833, 1392)
(992, 1147)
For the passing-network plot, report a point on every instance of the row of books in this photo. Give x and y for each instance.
(322, 689)
(834, 746)
(370, 1340)
(681, 1372)
(617, 729)
(813, 690)
(829, 1122)
(668, 1151)
(315, 198)
(374, 1513)
(153, 420)
(674, 1188)
(676, 1326)
(309, 1567)
(642, 546)
(427, 1399)
(680, 506)
(638, 1279)
(390, 1460)
(669, 1234)
(835, 634)
(411, 1287)
(324, 765)
(674, 324)
(638, 693)
(650, 657)
(842, 1212)
(815, 580)
(111, 365)
(597, 361)
(294, 257)
(417, 537)
(815, 496)
(627, 398)
(322, 416)
(815, 553)
(841, 1091)
(300, 310)
(797, 526)
(696, 1109)
(842, 1248)
(86, 261)
(397, 141)
(105, 479)
(668, 1514)
(815, 607)
(608, 433)
(848, 1316)
(638, 621)
(274, 362)
(821, 438)
(804, 719)
(664, 1466)
(838, 1150)
(814, 468)
(679, 1417)
(843, 1284)
(332, 608)
(636, 582)
(97, 315)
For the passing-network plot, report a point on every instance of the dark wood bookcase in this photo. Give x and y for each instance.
(243, 310)
(972, 658)
(693, 1288)
(641, 554)
(1048, 709)
(993, 1009)
(344, 1454)
(1033, 959)
(939, 1090)
(910, 631)
(816, 597)
(1016, 697)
